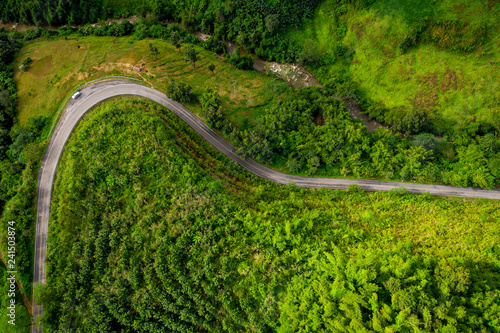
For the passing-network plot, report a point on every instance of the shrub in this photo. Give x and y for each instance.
(241, 62)
(414, 121)
(191, 55)
(355, 188)
(398, 191)
(180, 92)
(214, 45)
(125, 28)
(426, 141)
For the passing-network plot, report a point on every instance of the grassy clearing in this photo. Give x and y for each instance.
(459, 86)
(60, 65)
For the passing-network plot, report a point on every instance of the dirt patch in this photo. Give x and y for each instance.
(357, 113)
(296, 76)
(430, 80)
(202, 36)
(318, 119)
(41, 66)
(425, 100)
(82, 76)
(360, 31)
(122, 66)
(449, 81)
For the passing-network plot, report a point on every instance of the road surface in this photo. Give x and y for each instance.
(101, 91)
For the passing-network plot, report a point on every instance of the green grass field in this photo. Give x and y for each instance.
(460, 86)
(60, 65)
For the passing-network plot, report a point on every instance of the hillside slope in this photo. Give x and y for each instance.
(439, 56)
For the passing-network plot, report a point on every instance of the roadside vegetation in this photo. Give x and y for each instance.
(309, 131)
(22, 318)
(20, 154)
(152, 229)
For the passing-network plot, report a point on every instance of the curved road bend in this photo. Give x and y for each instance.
(101, 91)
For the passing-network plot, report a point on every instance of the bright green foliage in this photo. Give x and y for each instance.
(170, 211)
(426, 65)
(22, 320)
(375, 290)
(214, 113)
(473, 167)
(153, 230)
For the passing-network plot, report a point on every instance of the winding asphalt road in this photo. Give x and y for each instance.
(101, 91)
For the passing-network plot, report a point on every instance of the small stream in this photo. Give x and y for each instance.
(295, 75)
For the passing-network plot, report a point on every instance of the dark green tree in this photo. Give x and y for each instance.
(211, 68)
(176, 40)
(191, 55)
(153, 50)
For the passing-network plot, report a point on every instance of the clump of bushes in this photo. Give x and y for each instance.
(180, 92)
(240, 61)
(25, 65)
(215, 45)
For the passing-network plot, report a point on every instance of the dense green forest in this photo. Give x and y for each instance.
(19, 161)
(256, 24)
(154, 230)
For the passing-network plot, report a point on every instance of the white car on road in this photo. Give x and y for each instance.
(76, 95)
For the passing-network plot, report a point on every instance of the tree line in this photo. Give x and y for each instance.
(256, 24)
(20, 154)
